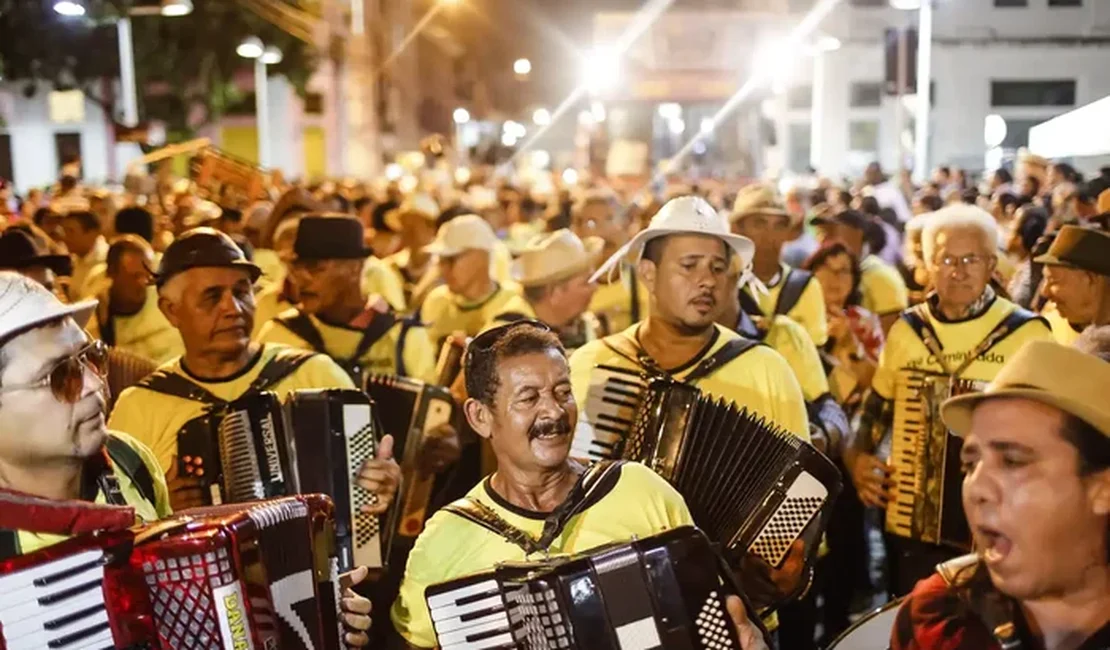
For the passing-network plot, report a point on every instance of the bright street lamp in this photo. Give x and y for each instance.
(522, 67)
(252, 48)
(541, 117)
(69, 8)
(461, 115)
(174, 8)
(272, 55)
(601, 70)
(906, 5)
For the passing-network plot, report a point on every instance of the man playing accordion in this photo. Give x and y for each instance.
(954, 342)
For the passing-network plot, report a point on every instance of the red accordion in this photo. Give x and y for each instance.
(246, 576)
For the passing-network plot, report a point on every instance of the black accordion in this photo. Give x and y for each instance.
(415, 409)
(663, 591)
(753, 488)
(258, 448)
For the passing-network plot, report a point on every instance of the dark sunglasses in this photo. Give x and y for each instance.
(485, 341)
(67, 378)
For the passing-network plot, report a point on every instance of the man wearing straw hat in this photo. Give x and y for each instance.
(554, 271)
(683, 259)
(415, 220)
(760, 215)
(1036, 492)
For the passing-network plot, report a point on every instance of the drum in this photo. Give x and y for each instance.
(871, 632)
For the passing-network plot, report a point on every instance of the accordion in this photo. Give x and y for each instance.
(262, 576)
(415, 409)
(750, 486)
(256, 448)
(606, 418)
(663, 591)
(925, 457)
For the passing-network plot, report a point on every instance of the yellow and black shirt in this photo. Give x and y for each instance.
(445, 313)
(146, 333)
(795, 294)
(882, 289)
(584, 331)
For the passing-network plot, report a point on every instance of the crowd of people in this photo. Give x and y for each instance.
(126, 312)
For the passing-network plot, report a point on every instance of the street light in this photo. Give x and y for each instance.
(522, 67)
(252, 48)
(175, 8)
(461, 115)
(602, 69)
(541, 117)
(69, 8)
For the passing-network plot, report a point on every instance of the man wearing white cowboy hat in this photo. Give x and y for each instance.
(554, 271)
(760, 215)
(1036, 492)
(683, 260)
(470, 297)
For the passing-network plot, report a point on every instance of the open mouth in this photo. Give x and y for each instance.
(994, 546)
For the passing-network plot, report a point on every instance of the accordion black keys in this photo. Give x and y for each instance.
(605, 419)
(409, 410)
(238, 452)
(750, 486)
(663, 591)
(925, 457)
(331, 434)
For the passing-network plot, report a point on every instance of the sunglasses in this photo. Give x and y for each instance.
(67, 378)
(485, 341)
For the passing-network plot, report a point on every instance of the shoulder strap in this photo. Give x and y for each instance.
(793, 286)
(171, 383)
(300, 324)
(634, 292)
(283, 364)
(748, 304)
(725, 354)
(747, 328)
(919, 322)
(510, 317)
(379, 326)
(1007, 326)
(128, 460)
(9, 544)
(105, 322)
(406, 326)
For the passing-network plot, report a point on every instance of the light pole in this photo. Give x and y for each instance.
(923, 106)
(252, 48)
(461, 116)
(821, 50)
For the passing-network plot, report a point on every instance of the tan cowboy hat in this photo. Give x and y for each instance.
(758, 198)
(1043, 371)
(419, 204)
(686, 215)
(556, 256)
(463, 233)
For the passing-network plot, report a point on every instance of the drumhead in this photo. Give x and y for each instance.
(870, 632)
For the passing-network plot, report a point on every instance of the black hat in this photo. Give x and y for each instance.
(851, 218)
(20, 250)
(203, 247)
(330, 237)
(1079, 248)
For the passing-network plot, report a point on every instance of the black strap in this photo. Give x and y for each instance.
(748, 305)
(280, 366)
(915, 317)
(300, 324)
(747, 328)
(131, 464)
(406, 326)
(105, 322)
(794, 285)
(595, 481)
(9, 544)
(634, 290)
(511, 317)
(729, 351)
(283, 364)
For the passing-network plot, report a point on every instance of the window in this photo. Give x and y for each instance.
(67, 148)
(1065, 3)
(314, 103)
(1011, 3)
(866, 94)
(1033, 93)
(1017, 132)
(799, 97)
(798, 156)
(863, 136)
(870, 3)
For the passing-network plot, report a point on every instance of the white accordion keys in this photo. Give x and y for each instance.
(606, 418)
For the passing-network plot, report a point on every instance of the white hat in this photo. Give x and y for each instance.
(556, 256)
(420, 204)
(468, 232)
(26, 304)
(684, 215)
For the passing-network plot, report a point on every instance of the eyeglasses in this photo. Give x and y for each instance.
(67, 378)
(950, 262)
(485, 341)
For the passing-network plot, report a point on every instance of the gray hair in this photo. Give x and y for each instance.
(957, 216)
(1095, 340)
(174, 289)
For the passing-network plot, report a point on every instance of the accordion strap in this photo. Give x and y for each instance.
(594, 482)
(726, 353)
(300, 324)
(283, 364)
(793, 286)
(916, 317)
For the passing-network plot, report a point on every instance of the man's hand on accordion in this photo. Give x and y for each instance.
(442, 448)
(872, 477)
(380, 475)
(356, 609)
(185, 491)
(749, 634)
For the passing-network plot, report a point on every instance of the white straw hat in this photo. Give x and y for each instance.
(468, 232)
(687, 215)
(556, 256)
(26, 304)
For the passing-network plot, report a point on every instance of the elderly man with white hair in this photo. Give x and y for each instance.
(964, 331)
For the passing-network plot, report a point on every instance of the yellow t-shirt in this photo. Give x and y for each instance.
(809, 311)
(378, 278)
(444, 312)
(1062, 330)
(639, 504)
(612, 303)
(904, 348)
(882, 289)
(156, 418)
(146, 333)
(341, 343)
(789, 339)
(145, 511)
(268, 303)
(759, 379)
(585, 332)
(273, 269)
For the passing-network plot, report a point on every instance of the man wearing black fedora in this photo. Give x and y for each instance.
(336, 316)
(1077, 279)
(20, 251)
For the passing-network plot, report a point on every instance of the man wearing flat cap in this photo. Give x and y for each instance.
(1077, 279)
(554, 271)
(205, 289)
(1036, 492)
(336, 317)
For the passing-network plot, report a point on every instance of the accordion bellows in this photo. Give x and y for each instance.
(663, 591)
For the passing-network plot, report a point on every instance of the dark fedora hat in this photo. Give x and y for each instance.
(200, 248)
(20, 249)
(330, 236)
(1079, 248)
(850, 218)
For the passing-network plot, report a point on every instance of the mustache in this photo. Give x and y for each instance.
(560, 426)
